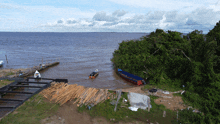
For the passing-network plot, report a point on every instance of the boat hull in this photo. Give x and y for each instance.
(129, 79)
(94, 76)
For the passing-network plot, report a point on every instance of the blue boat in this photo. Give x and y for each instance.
(131, 78)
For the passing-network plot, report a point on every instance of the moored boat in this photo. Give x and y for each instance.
(1, 63)
(94, 74)
(131, 78)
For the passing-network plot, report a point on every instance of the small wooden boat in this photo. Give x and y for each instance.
(37, 74)
(131, 78)
(1, 63)
(94, 74)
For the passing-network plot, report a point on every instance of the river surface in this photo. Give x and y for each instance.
(79, 55)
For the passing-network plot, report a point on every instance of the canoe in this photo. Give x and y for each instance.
(1, 63)
(94, 74)
(131, 78)
(37, 74)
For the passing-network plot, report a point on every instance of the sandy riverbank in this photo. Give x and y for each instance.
(68, 112)
(170, 101)
(7, 72)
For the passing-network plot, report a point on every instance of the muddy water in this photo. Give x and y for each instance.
(79, 54)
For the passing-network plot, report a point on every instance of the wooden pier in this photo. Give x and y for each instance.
(31, 71)
(8, 104)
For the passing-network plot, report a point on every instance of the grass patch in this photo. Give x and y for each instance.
(193, 99)
(106, 110)
(32, 111)
(9, 73)
(5, 82)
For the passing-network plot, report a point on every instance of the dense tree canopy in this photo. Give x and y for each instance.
(173, 59)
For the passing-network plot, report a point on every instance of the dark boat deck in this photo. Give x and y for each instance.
(10, 98)
(131, 78)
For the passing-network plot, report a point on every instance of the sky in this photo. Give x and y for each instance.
(108, 15)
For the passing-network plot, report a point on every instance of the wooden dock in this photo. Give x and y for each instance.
(31, 71)
(8, 104)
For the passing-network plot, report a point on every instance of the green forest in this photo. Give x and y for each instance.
(174, 59)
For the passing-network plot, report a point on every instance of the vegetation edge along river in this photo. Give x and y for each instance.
(191, 61)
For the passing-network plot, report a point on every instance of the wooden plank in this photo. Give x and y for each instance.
(91, 99)
(2, 99)
(89, 95)
(26, 86)
(33, 82)
(16, 92)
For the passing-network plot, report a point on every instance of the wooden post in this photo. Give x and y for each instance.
(6, 59)
(177, 116)
(164, 113)
(119, 96)
(148, 102)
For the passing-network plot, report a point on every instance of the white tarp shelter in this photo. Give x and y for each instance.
(138, 101)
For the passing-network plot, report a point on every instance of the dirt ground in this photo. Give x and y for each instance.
(173, 103)
(168, 100)
(68, 114)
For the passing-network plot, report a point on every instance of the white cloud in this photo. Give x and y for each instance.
(119, 13)
(101, 16)
(71, 21)
(216, 6)
(162, 23)
(200, 19)
(60, 21)
(164, 5)
(179, 16)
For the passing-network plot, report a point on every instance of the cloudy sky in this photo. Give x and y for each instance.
(108, 15)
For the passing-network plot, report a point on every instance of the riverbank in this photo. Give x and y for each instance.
(69, 112)
(99, 114)
(4, 82)
(13, 73)
(5, 74)
(9, 72)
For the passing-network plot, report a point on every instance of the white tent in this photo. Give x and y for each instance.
(138, 101)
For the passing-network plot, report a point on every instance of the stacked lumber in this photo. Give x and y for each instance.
(62, 93)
